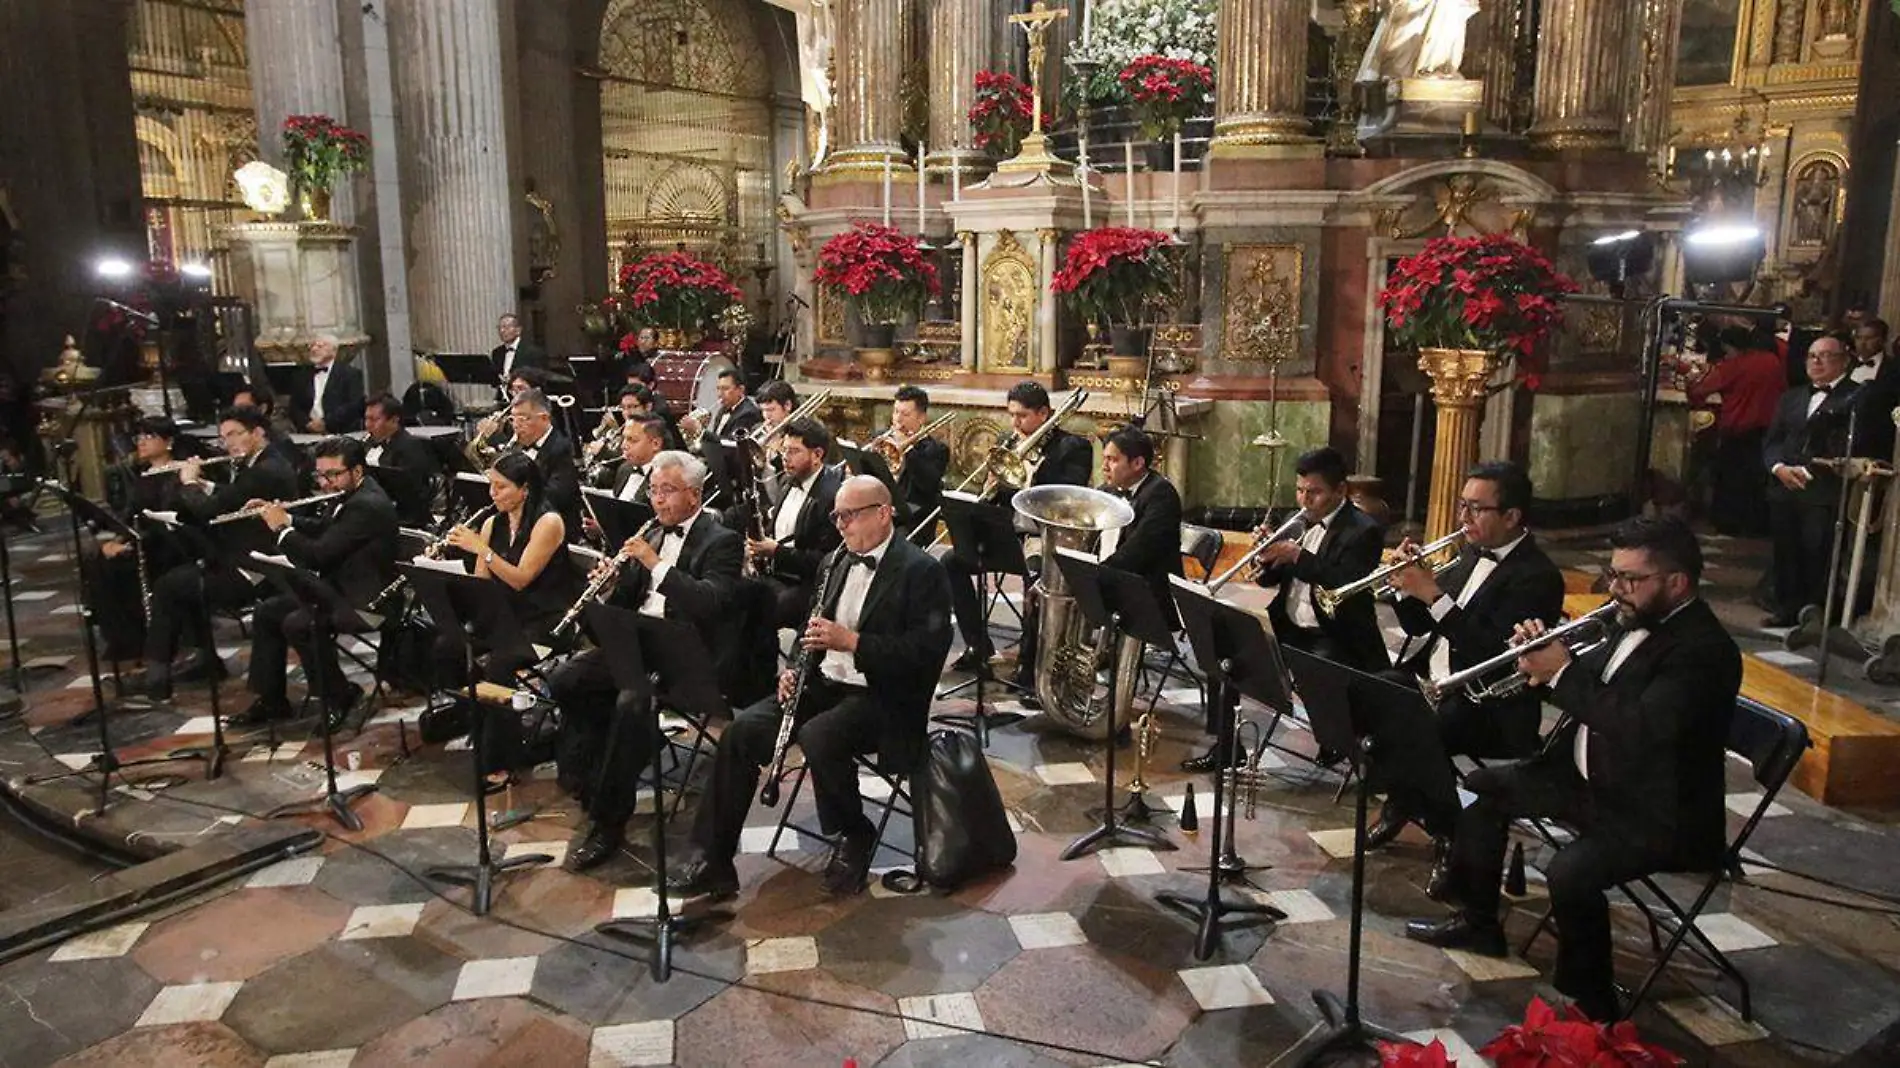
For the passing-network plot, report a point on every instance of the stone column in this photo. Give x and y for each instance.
(959, 46)
(1260, 76)
(869, 42)
(1582, 48)
(450, 107)
(967, 338)
(1045, 361)
(1653, 63)
(1458, 377)
(296, 69)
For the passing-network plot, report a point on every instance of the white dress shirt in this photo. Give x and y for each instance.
(534, 450)
(1441, 649)
(839, 666)
(1299, 607)
(508, 360)
(1625, 647)
(1818, 395)
(631, 488)
(318, 383)
(374, 456)
(668, 546)
(1869, 371)
(785, 520)
(1112, 539)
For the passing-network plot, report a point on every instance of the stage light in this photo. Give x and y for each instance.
(113, 267)
(1614, 259)
(1722, 252)
(197, 272)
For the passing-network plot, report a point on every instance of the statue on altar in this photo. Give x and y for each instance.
(814, 74)
(1418, 39)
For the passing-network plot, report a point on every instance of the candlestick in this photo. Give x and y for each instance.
(922, 150)
(1082, 169)
(1128, 180)
(887, 190)
(956, 171)
(1177, 182)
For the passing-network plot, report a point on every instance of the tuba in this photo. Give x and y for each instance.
(1071, 517)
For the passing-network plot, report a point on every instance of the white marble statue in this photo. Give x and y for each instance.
(1418, 38)
(814, 71)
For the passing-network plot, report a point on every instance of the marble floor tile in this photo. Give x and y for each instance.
(1046, 930)
(1731, 933)
(1784, 658)
(1225, 986)
(631, 1045)
(1483, 969)
(284, 753)
(323, 1058)
(101, 944)
(508, 977)
(1075, 774)
(1713, 1021)
(556, 850)
(758, 839)
(768, 955)
(640, 903)
(381, 921)
(297, 871)
(1121, 862)
(420, 817)
(1300, 906)
(925, 1016)
(1744, 805)
(189, 1004)
(1337, 843)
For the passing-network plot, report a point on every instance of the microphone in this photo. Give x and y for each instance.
(796, 299)
(148, 317)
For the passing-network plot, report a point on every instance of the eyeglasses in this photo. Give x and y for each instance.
(660, 489)
(844, 516)
(1629, 580)
(331, 474)
(1476, 508)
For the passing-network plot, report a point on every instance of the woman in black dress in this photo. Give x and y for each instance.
(521, 547)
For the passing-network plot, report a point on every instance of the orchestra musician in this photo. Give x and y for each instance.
(259, 396)
(737, 413)
(1466, 616)
(1810, 421)
(879, 633)
(536, 436)
(389, 444)
(777, 400)
(183, 594)
(1151, 545)
(327, 397)
(637, 364)
(351, 547)
(1067, 460)
(520, 546)
(920, 482)
(515, 352)
(1340, 544)
(1878, 372)
(1637, 769)
(637, 399)
(109, 565)
(798, 531)
(495, 431)
(641, 439)
(690, 571)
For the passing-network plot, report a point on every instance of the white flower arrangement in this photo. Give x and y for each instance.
(264, 188)
(1121, 31)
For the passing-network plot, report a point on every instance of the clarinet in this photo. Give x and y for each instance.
(600, 587)
(433, 551)
(802, 669)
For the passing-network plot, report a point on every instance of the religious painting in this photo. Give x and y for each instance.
(1813, 206)
(1707, 52)
(1009, 306)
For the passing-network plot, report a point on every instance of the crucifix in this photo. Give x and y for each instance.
(1033, 156)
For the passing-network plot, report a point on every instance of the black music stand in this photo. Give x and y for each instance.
(1123, 604)
(631, 642)
(407, 487)
(590, 381)
(983, 536)
(1237, 650)
(321, 603)
(723, 461)
(11, 484)
(470, 368)
(468, 493)
(1391, 718)
(619, 520)
(863, 461)
(458, 603)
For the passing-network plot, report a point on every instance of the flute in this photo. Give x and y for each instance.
(171, 466)
(259, 509)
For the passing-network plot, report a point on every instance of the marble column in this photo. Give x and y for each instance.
(450, 104)
(967, 338)
(296, 68)
(1582, 54)
(869, 40)
(1045, 361)
(1458, 380)
(1260, 75)
(959, 47)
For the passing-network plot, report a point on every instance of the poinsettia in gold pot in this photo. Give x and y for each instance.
(883, 274)
(1119, 277)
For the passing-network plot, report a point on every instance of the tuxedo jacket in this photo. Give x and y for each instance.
(420, 466)
(702, 588)
(1658, 735)
(352, 544)
(814, 536)
(527, 354)
(903, 637)
(560, 479)
(622, 474)
(267, 478)
(1524, 585)
(342, 399)
(920, 483)
(1348, 551)
(743, 417)
(1151, 545)
(1794, 437)
(1067, 460)
(1878, 398)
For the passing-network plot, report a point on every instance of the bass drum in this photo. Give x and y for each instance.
(688, 380)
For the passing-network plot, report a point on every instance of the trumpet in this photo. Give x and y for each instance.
(701, 420)
(478, 450)
(259, 509)
(892, 446)
(1379, 583)
(1582, 635)
(433, 551)
(1291, 530)
(601, 586)
(170, 466)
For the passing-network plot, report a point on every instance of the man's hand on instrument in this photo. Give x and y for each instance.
(192, 473)
(275, 516)
(1542, 663)
(467, 540)
(316, 424)
(763, 548)
(640, 549)
(822, 633)
(786, 679)
(1415, 579)
(1795, 478)
(1280, 554)
(689, 424)
(113, 549)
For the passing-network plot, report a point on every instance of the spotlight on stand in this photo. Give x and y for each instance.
(113, 268)
(196, 273)
(1616, 258)
(1722, 252)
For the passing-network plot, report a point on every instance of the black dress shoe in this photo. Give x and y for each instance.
(153, 684)
(260, 712)
(850, 863)
(1201, 762)
(1780, 620)
(337, 714)
(1600, 1008)
(1438, 886)
(703, 878)
(1460, 932)
(596, 848)
(972, 661)
(1386, 831)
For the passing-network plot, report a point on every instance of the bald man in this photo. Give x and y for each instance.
(327, 398)
(872, 653)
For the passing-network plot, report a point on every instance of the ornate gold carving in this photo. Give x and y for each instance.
(1460, 202)
(1009, 306)
(970, 441)
(1458, 375)
(830, 317)
(1262, 315)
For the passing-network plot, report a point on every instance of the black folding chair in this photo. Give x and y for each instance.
(1772, 742)
(896, 801)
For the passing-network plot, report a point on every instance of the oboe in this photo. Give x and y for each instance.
(802, 669)
(433, 551)
(602, 585)
(260, 509)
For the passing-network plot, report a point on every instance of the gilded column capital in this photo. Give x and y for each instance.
(1458, 376)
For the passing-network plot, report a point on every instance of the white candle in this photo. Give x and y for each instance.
(887, 190)
(1177, 182)
(922, 151)
(1082, 165)
(1128, 179)
(956, 171)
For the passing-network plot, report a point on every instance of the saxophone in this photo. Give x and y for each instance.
(802, 669)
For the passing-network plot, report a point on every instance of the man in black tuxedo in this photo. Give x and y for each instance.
(1067, 460)
(1810, 421)
(872, 654)
(515, 352)
(736, 414)
(1467, 616)
(181, 595)
(689, 571)
(1151, 545)
(533, 422)
(799, 533)
(920, 483)
(110, 566)
(1338, 544)
(390, 446)
(351, 547)
(1637, 768)
(328, 396)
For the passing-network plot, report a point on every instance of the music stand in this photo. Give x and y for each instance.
(983, 537)
(619, 520)
(1123, 604)
(1237, 650)
(863, 461)
(468, 493)
(632, 641)
(321, 603)
(407, 487)
(458, 603)
(468, 369)
(9, 701)
(722, 461)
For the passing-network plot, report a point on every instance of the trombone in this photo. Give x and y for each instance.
(1293, 529)
(1008, 465)
(1582, 635)
(761, 440)
(892, 447)
(1379, 583)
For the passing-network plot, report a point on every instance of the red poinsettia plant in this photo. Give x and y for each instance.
(1117, 275)
(1167, 92)
(1002, 112)
(676, 291)
(1492, 293)
(319, 150)
(1546, 1039)
(879, 268)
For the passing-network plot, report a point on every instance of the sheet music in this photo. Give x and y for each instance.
(447, 567)
(170, 519)
(276, 559)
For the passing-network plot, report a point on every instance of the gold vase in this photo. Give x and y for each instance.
(315, 203)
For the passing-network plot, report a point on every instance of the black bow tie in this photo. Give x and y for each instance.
(1124, 494)
(1487, 554)
(641, 471)
(676, 532)
(1829, 388)
(864, 559)
(323, 371)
